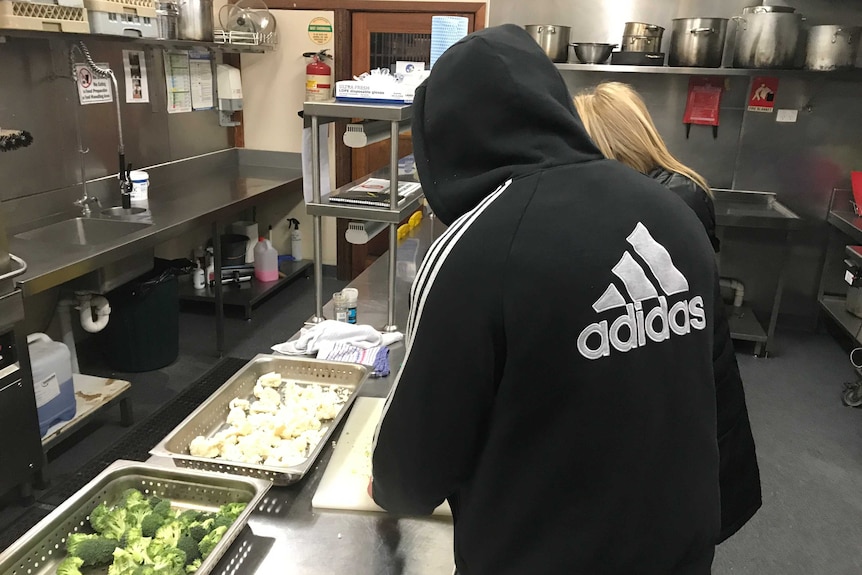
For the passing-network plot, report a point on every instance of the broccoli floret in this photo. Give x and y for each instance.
(139, 549)
(131, 497)
(163, 508)
(225, 520)
(188, 517)
(170, 561)
(145, 570)
(209, 542)
(99, 517)
(231, 510)
(199, 530)
(136, 512)
(170, 533)
(124, 563)
(151, 524)
(115, 524)
(74, 540)
(96, 551)
(70, 566)
(190, 546)
(193, 566)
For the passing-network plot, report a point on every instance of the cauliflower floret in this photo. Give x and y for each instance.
(260, 421)
(203, 447)
(232, 453)
(273, 461)
(271, 379)
(239, 403)
(288, 388)
(245, 428)
(268, 395)
(236, 416)
(327, 411)
(261, 406)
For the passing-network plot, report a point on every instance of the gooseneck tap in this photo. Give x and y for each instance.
(123, 173)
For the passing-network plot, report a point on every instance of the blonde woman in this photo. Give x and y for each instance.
(619, 123)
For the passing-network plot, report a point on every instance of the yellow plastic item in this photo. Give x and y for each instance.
(415, 219)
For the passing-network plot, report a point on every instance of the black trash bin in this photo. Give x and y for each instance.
(143, 333)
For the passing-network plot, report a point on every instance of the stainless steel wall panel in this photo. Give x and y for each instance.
(37, 94)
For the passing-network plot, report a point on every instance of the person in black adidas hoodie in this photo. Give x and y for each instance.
(557, 387)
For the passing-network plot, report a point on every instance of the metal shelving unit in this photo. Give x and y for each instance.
(613, 68)
(846, 225)
(317, 113)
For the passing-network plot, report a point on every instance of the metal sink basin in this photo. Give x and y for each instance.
(82, 231)
(120, 212)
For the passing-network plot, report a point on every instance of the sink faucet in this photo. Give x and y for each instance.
(84, 204)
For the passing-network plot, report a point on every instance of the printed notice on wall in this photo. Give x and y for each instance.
(91, 88)
(201, 72)
(135, 67)
(320, 31)
(178, 81)
(762, 97)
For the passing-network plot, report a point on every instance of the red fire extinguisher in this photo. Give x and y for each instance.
(318, 77)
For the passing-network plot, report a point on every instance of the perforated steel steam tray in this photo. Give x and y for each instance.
(211, 416)
(42, 548)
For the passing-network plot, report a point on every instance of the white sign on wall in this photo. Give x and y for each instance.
(91, 88)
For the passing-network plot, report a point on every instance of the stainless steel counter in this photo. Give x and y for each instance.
(175, 207)
(741, 209)
(286, 535)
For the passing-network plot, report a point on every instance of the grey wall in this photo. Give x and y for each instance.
(801, 162)
(37, 95)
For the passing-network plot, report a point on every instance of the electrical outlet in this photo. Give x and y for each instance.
(788, 116)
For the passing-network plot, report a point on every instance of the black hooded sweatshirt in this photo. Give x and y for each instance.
(557, 387)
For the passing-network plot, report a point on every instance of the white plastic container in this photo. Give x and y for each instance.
(265, 261)
(52, 380)
(140, 185)
(351, 296)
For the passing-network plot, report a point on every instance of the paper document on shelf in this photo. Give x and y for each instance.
(325, 186)
(380, 185)
(137, 85)
(178, 81)
(201, 74)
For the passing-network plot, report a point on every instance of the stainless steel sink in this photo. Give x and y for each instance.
(83, 231)
(120, 212)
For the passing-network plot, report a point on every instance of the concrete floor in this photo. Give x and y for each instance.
(809, 444)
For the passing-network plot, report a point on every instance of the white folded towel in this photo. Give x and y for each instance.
(329, 332)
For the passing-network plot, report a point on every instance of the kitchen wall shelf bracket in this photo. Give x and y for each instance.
(317, 113)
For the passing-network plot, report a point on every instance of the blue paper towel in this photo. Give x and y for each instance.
(445, 31)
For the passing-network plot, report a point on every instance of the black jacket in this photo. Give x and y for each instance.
(558, 384)
(739, 475)
(694, 196)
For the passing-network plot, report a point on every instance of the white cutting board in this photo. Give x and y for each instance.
(345, 482)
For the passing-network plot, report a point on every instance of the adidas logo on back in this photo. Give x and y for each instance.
(637, 326)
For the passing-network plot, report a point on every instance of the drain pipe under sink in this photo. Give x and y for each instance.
(738, 289)
(87, 304)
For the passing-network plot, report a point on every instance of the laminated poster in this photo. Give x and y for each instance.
(201, 72)
(135, 68)
(178, 81)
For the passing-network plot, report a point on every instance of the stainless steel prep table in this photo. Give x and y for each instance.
(193, 192)
(757, 210)
(288, 536)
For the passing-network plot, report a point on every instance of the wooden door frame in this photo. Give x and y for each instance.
(342, 70)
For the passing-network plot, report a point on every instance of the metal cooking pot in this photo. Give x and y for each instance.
(767, 37)
(697, 42)
(641, 37)
(553, 39)
(196, 20)
(832, 47)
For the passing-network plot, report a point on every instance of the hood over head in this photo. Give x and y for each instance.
(494, 107)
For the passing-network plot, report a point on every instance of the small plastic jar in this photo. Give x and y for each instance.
(339, 304)
(351, 295)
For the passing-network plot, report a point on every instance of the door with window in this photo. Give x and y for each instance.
(379, 39)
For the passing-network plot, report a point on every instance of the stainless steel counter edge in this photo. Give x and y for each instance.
(173, 210)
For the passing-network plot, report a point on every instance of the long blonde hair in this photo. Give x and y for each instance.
(618, 121)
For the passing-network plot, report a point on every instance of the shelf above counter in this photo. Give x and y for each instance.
(166, 44)
(613, 68)
(836, 308)
(348, 110)
(409, 204)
